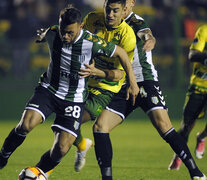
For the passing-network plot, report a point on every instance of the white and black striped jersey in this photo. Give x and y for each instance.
(62, 77)
(142, 63)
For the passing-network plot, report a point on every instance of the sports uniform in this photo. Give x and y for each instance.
(101, 90)
(150, 99)
(60, 89)
(150, 96)
(196, 97)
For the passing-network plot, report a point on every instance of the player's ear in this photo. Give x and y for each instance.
(133, 3)
(125, 8)
(81, 25)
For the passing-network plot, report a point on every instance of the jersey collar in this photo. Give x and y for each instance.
(116, 27)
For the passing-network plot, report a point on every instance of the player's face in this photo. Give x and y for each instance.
(69, 33)
(128, 8)
(113, 13)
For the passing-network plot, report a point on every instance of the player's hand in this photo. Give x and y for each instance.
(41, 35)
(132, 91)
(149, 44)
(88, 71)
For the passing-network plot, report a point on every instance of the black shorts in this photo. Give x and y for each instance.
(195, 105)
(149, 98)
(68, 114)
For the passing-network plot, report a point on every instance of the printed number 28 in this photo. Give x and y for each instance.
(73, 111)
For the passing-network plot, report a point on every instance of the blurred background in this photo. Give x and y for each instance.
(22, 61)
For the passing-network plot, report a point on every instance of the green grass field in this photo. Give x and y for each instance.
(139, 153)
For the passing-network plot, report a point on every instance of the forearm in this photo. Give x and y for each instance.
(110, 75)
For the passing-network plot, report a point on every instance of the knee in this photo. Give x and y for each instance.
(60, 150)
(99, 127)
(24, 127)
(28, 121)
(63, 148)
(188, 121)
(187, 124)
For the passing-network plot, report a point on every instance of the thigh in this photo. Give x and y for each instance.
(97, 101)
(150, 96)
(120, 106)
(68, 116)
(194, 105)
(106, 121)
(29, 120)
(41, 102)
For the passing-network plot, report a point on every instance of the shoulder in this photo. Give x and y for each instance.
(137, 22)
(201, 33)
(203, 29)
(91, 37)
(127, 30)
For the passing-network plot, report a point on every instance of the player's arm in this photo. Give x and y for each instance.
(126, 64)
(113, 75)
(197, 56)
(110, 75)
(147, 36)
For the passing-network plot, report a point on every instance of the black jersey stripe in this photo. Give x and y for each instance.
(76, 49)
(56, 56)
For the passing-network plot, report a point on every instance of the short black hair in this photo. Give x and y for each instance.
(122, 2)
(70, 15)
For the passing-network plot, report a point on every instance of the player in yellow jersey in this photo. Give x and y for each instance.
(109, 25)
(196, 96)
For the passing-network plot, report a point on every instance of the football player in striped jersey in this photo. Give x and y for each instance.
(60, 89)
(196, 96)
(150, 99)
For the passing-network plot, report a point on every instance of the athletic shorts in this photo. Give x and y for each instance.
(149, 98)
(68, 114)
(97, 101)
(195, 104)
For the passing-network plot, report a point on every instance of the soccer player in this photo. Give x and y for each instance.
(60, 89)
(110, 26)
(196, 96)
(150, 99)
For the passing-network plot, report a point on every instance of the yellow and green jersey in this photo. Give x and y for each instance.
(198, 78)
(122, 35)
